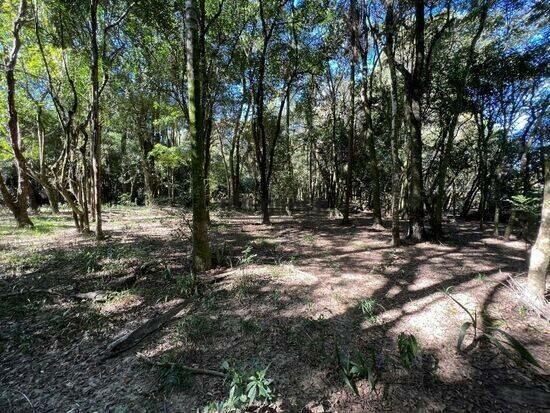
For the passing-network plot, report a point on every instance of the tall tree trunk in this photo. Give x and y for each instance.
(395, 122)
(366, 95)
(18, 204)
(540, 253)
(414, 90)
(95, 123)
(201, 249)
(351, 137)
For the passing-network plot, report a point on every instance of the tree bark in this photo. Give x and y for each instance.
(201, 257)
(95, 122)
(351, 137)
(540, 253)
(395, 121)
(369, 129)
(18, 204)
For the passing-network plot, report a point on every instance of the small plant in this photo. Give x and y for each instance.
(408, 349)
(522, 311)
(368, 307)
(481, 277)
(187, 285)
(247, 257)
(244, 391)
(222, 255)
(510, 346)
(167, 273)
(258, 387)
(358, 367)
(309, 238)
(91, 260)
(276, 298)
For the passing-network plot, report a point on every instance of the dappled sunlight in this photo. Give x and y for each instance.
(297, 295)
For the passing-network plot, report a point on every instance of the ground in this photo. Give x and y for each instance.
(285, 296)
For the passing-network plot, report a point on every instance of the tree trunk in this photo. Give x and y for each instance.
(95, 124)
(264, 198)
(18, 204)
(351, 136)
(395, 123)
(540, 253)
(416, 199)
(366, 95)
(201, 248)
(414, 90)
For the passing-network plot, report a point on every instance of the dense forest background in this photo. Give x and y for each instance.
(448, 109)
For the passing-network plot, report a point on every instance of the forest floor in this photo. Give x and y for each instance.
(290, 299)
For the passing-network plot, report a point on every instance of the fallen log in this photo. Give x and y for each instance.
(134, 337)
(131, 339)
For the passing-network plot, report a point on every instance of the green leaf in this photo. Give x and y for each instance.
(252, 393)
(519, 348)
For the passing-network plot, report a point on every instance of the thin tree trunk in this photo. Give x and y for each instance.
(201, 249)
(351, 136)
(369, 130)
(540, 253)
(95, 123)
(395, 122)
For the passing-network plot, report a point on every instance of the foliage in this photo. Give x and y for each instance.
(247, 257)
(525, 204)
(357, 367)
(244, 390)
(368, 307)
(195, 328)
(187, 285)
(408, 349)
(500, 339)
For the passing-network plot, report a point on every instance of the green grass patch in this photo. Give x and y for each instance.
(43, 225)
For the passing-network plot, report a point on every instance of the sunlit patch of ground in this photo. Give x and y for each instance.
(289, 294)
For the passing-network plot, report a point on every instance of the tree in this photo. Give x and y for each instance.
(201, 248)
(354, 55)
(389, 30)
(17, 204)
(540, 253)
(265, 140)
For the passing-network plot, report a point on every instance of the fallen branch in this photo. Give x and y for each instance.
(131, 339)
(192, 370)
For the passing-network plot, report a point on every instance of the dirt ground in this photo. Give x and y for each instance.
(287, 299)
